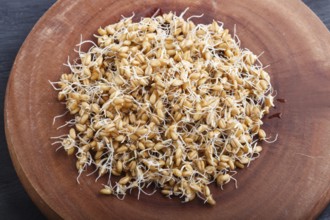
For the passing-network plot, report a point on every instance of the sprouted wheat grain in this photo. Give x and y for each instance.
(165, 101)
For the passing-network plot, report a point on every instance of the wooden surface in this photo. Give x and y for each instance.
(301, 175)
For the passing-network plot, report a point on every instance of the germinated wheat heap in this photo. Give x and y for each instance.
(167, 103)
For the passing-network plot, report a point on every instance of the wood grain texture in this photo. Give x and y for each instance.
(55, 167)
(17, 18)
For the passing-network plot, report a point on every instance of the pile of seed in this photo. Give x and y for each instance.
(165, 102)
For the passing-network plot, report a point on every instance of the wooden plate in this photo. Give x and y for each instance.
(291, 178)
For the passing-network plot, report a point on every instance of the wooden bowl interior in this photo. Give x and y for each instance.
(291, 177)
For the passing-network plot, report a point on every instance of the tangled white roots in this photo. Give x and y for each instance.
(165, 102)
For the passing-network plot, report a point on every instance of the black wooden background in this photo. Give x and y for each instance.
(17, 17)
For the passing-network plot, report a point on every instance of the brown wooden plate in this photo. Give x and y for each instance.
(291, 179)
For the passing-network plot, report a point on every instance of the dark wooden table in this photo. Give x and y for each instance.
(17, 17)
